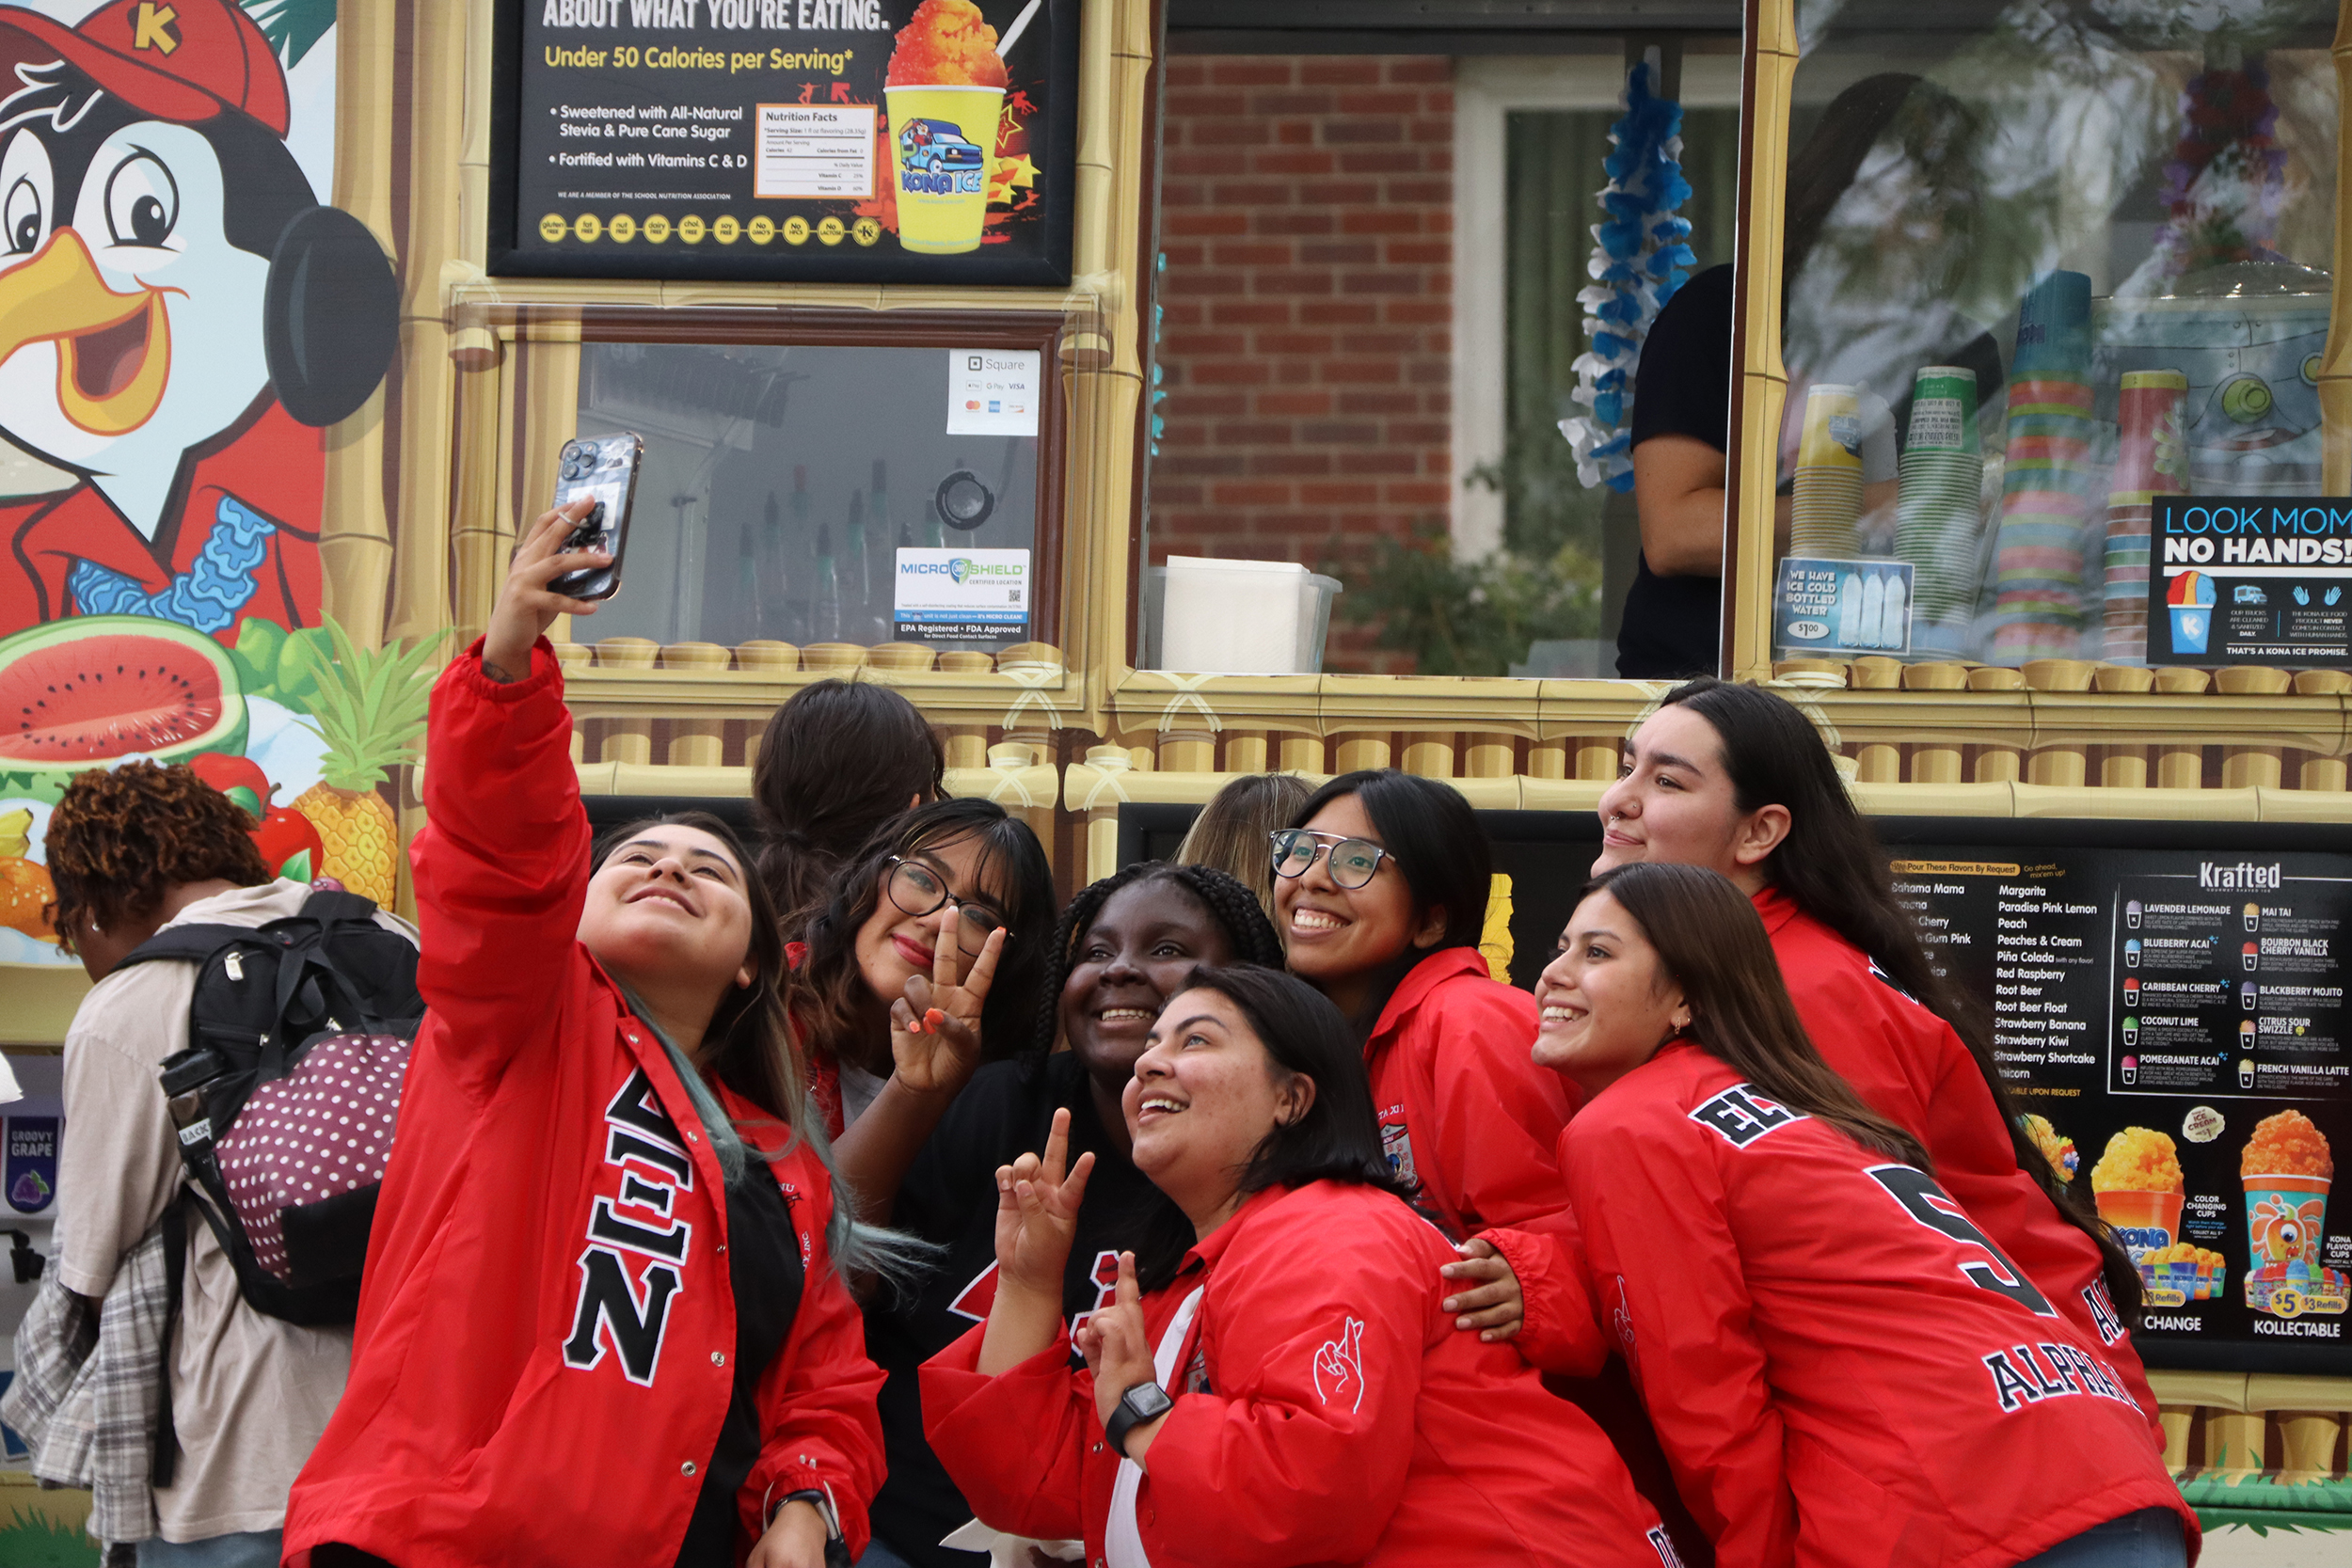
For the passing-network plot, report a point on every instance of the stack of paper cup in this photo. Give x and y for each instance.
(2151, 462)
(1828, 500)
(1936, 515)
(2049, 477)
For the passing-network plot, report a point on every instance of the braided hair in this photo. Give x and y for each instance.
(1233, 906)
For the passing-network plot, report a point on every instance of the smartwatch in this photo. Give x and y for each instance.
(1140, 1405)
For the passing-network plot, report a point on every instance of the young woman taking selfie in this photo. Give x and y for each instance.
(603, 1321)
(1843, 1367)
(1123, 947)
(1293, 1395)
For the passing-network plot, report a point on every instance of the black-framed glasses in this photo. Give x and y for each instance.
(918, 889)
(1353, 860)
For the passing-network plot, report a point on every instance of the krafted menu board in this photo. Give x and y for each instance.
(883, 141)
(2170, 1016)
(2167, 1002)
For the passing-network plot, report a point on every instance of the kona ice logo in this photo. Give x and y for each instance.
(936, 159)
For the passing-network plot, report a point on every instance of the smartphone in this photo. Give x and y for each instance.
(603, 468)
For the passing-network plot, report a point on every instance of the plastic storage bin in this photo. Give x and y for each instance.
(1236, 617)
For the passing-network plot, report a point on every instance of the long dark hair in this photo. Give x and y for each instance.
(835, 1004)
(1831, 867)
(1339, 1137)
(1433, 837)
(1233, 906)
(1710, 943)
(836, 761)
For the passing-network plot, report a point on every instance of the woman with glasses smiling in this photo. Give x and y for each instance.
(928, 955)
(1380, 896)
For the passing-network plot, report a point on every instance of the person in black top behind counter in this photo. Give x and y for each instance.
(1681, 427)
(1682, 431)
(1123, 945)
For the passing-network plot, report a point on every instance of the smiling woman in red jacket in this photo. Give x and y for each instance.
(1844, 1369)
(1296, 1394)
(1380, 896)
(602, 1321)
(1734, 779)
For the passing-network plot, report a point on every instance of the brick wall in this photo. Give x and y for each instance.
(1307, 216)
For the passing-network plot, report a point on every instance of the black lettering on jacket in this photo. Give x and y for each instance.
(633, 1326)
(1742, 1116)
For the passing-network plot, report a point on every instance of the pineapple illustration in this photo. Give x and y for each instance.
(370, 709)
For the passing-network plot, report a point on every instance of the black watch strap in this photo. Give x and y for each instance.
(1140, 1405)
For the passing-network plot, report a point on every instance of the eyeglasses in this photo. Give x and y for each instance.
(918, 889)
(1353, 860)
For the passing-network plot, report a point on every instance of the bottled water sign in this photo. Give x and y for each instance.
(1839, 609)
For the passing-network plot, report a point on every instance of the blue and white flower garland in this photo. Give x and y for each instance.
(1637, 265)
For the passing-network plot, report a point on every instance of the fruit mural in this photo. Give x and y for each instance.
(182, 320)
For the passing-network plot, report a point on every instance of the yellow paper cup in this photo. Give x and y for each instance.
(941, 142)
(2143, 1221)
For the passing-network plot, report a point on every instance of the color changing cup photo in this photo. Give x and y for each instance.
(2287, 1168)
(945, 92)
(2139, 1189)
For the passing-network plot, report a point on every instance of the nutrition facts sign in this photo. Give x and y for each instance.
(2173, 1021)
(809, 140)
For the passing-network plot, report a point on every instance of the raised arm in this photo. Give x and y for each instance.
(503, 862)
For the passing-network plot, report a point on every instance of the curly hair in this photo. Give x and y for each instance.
(1232, 906)
(119, 840)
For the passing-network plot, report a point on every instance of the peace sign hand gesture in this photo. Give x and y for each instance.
(1037, 1213)
(935, 1027)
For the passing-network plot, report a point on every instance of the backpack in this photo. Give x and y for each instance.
(286, 1095)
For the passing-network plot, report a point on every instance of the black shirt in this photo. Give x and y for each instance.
(949, 1197)
(764, 1271)
(1673, 626)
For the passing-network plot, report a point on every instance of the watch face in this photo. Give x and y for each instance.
(1148, 1401)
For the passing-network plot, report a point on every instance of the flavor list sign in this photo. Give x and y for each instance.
(2251, 580)
(2173, 1025)
(809, 140)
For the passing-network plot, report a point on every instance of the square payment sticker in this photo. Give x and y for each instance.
(993, 392)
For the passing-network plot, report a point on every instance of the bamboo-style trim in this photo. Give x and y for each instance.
(355, 555)
(2335, 375)
(1760, 383)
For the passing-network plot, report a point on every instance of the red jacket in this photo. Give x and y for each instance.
(269, 464)
(1332, 1415)
(1913, 1070)
(1843, 1371)
(528, 1383)
(1463, 1109)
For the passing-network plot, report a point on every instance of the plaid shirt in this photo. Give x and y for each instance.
(88, 1388)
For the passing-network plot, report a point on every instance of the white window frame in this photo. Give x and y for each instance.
(1486, 87)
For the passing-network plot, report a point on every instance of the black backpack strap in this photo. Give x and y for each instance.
(190, 944)
(167, 1458)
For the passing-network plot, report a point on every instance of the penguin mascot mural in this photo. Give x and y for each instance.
(180, 319)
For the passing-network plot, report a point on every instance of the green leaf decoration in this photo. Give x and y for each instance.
(292, 26)
(298, 868)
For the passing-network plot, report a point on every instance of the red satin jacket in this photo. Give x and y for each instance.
(539, 1371)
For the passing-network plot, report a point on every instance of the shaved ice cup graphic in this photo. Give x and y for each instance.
(2190, 600)
(2144, 1222)
(942, 211)
(2285, 1217)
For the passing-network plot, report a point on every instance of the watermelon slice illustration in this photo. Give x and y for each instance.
(82, 692)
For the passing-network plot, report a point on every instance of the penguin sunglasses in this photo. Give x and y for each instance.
(1353, 860)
